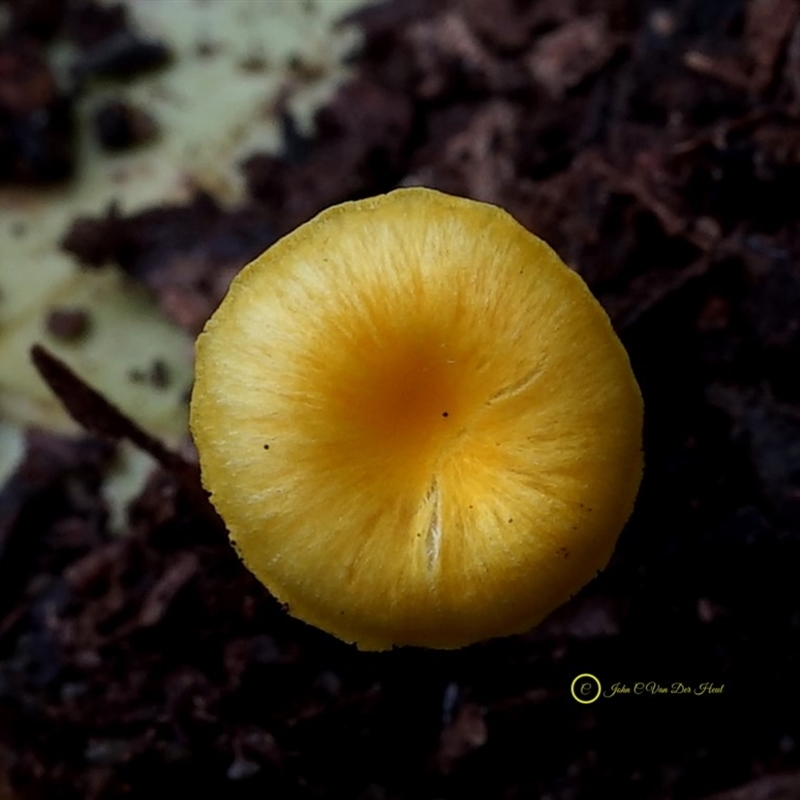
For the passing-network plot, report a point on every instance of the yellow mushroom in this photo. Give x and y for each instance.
(417, 422)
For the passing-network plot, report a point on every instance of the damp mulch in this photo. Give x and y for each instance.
(656, 146)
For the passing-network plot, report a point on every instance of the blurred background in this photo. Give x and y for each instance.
(150, 148)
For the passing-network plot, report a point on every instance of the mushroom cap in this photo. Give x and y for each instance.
(417, 422)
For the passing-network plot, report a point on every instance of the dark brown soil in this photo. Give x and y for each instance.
(656, 146)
